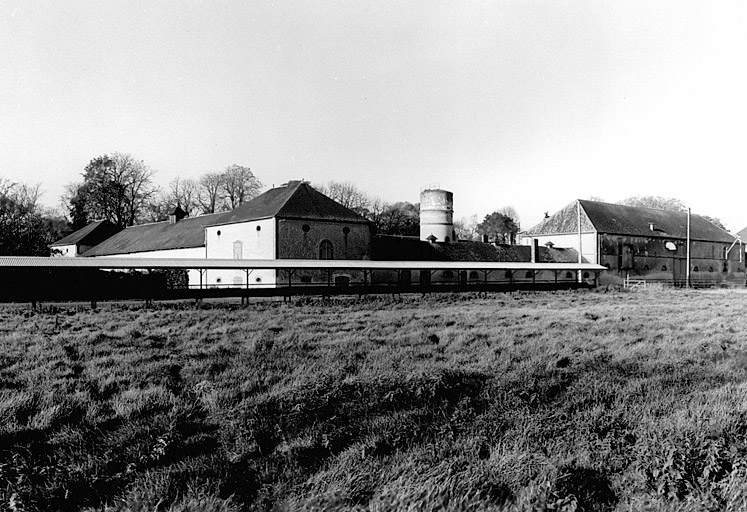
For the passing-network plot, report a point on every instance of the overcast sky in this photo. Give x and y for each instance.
(525, 103)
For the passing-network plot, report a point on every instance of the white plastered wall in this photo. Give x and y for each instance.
(253, 240)
(589, 247)
(191, 252)
(69, 251)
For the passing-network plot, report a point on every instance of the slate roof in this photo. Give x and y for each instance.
(395, 248)
(617, 219)
(158, 236)
(294, 200)
(92, 234)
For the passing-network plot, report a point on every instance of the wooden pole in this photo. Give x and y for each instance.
(687, 274)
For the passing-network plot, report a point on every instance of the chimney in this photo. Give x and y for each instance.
(534, 251)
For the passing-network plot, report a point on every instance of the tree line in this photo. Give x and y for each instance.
(121, 189)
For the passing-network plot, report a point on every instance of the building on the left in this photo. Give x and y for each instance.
(293, 221)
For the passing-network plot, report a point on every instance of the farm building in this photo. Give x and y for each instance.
(645, 243)
(287, 222)
(296, 222)
(77, 243)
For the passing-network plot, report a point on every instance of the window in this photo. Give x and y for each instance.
(696, 269)
(238, 250)
(259, 228)
(346, 230)
(663, 268)
(305, 279)
(474, 275)
(529, 274)
(710, 269)
(586, 275)
(305, 228)
(326, 251)
(569, 275)
(447, 274)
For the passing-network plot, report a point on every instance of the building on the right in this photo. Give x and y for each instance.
(645, 243)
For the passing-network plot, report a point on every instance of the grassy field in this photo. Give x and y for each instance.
(525, 401)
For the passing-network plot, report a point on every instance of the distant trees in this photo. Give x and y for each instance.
(120, 189)
(117, 188)
(239, 185)
(665, 203)
(25, 229)
(660, 203)
(500, 226)
(347, 194)
(466, 228)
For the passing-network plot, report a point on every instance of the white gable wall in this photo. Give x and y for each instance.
(570, 240)
(191, 252)
(254, 240)
(65, 250)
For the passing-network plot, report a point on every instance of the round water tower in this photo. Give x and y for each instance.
(436, 215)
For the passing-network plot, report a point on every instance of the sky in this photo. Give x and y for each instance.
(531, 104)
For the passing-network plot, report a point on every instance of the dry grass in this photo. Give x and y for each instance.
(554, 401)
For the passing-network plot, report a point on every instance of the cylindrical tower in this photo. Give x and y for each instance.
(436, 215)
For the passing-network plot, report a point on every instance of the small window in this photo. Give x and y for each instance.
(710, 269)
(474, 275)
(218, 233)
(696, 269)
(326, 251)
(569, 275)
(509, 274)
(305, 228)
(447, 274)
(529, 274)
(645, 267)
(447, 239)
(258, 280)
(586, 275)
(726, 267)
(219, 280)
(346, 230)
(305, 279)
(663, 268)
(259, 228)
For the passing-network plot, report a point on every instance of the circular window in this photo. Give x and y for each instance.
(663, 268)
(219, 280)
(305, 228)
(346, 230)
(259, 228)
(569, 275)
(259, 280)
(696, 269)
(218, 233)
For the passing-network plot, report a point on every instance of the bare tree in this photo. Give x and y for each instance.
(466, 228)
(184, 192)
(210, 192)
(347, 194)
(239, 185)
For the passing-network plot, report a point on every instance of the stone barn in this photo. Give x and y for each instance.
(293, 221)
(645, 243)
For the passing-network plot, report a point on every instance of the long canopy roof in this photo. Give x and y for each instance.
(212, 263)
